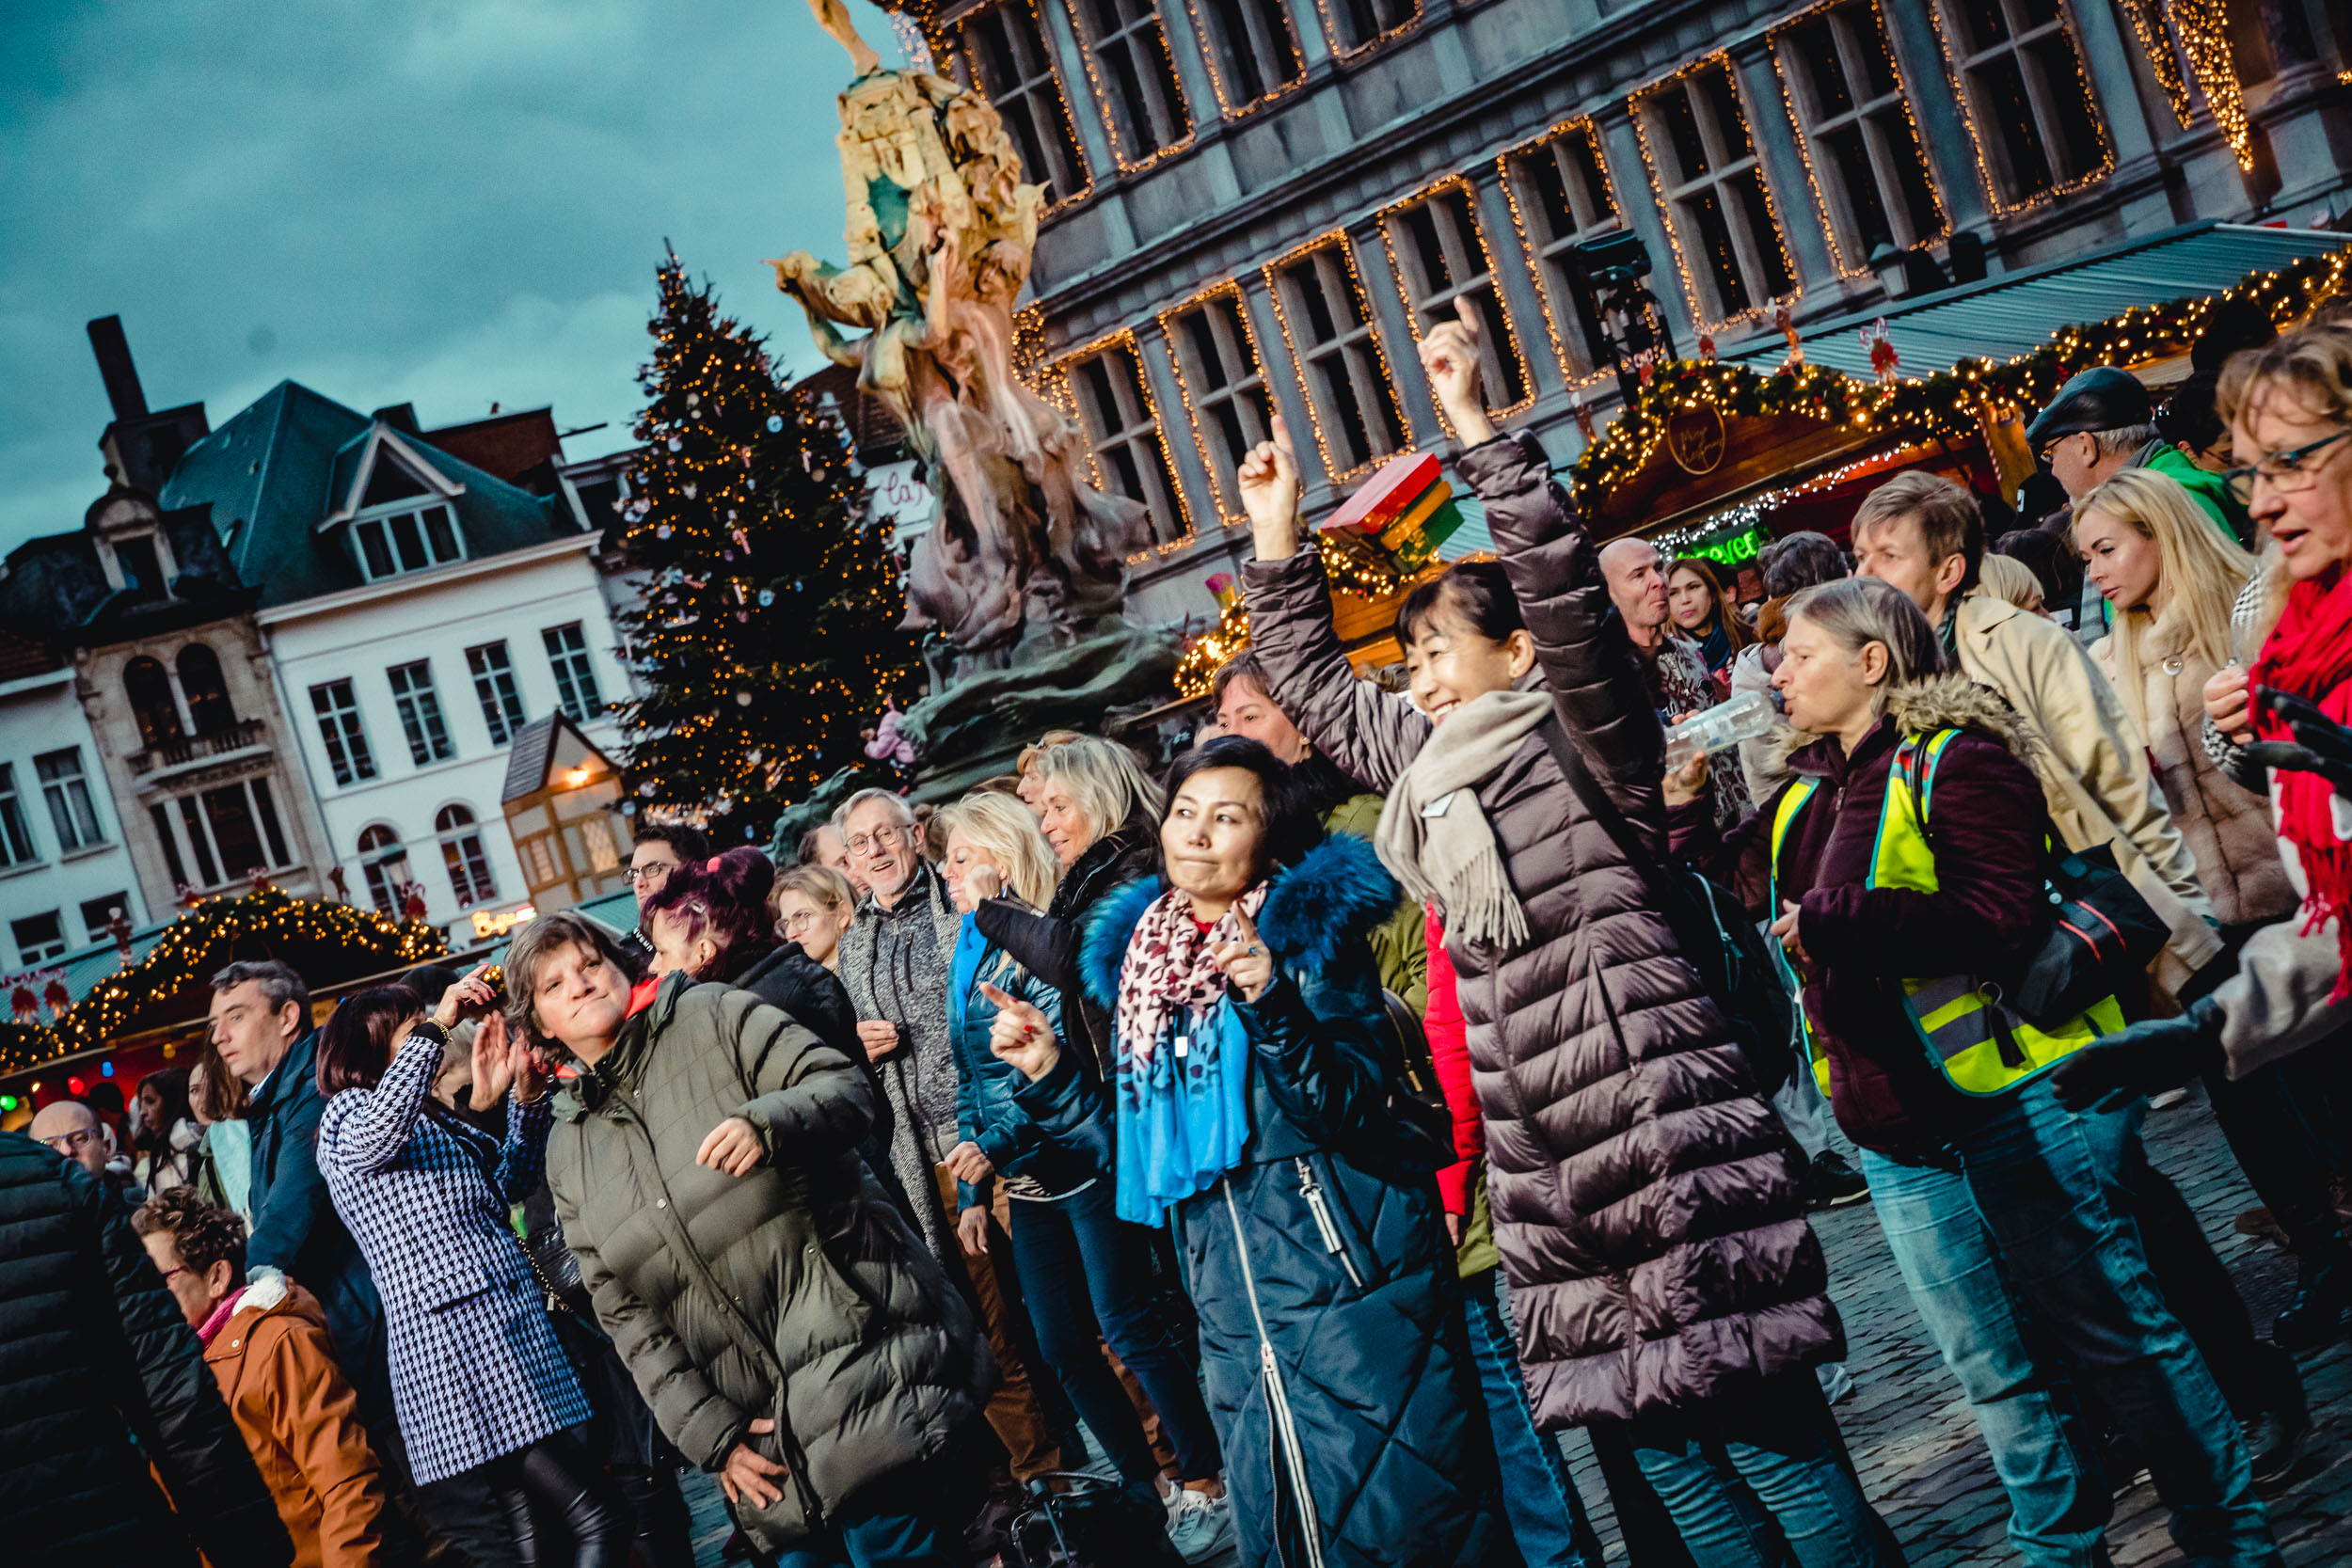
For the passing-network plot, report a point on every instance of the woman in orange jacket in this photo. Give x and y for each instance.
(267, 1343)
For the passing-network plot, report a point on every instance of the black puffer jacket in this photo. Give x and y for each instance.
(94, 1352)
(1047, 945)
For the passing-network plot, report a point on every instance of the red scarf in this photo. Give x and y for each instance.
(2309, 654)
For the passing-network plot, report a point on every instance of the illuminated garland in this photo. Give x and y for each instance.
(1948, 405)
(1506, 169)
(1669, 207)
(1382, 219)
(1059, 376)
(1346, 574)
(2203, 26)
(2148, 23)
(1351, 54)
(1976, 132)
(1227, 506)
(1337, 239)
(198, 943)
(1181, 107)
(1209, 51)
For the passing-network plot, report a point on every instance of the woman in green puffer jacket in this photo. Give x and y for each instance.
(788, 1333)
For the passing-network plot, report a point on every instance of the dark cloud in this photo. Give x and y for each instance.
(445, 204)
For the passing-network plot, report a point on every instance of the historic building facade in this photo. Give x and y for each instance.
(1256, 206)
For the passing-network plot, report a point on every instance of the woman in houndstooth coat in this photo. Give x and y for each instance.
(479, 1379)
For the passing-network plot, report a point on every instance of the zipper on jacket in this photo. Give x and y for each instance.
(1278, 1398)
(1311, 1190)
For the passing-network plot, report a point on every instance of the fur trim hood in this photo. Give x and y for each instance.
(1337, 892)
(1938, 702)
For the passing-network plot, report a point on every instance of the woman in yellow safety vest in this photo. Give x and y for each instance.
(1905, 859)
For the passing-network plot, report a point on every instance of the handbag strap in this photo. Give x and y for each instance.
(1591, 796)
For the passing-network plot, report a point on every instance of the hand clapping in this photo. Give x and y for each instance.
(1247, 967)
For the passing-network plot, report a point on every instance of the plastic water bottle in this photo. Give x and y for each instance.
(1744, 717)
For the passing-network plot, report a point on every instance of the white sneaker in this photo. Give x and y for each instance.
(1198, 1526)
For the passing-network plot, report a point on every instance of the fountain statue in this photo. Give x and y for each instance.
(940, 233)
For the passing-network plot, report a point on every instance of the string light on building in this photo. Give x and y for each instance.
(1503, 172)
(1111, 120)
(1457, 184)
(1225, 102)
(1635, 107)
(1332, 31)
(2082, 92)
(1228, 289)
(1335, 239)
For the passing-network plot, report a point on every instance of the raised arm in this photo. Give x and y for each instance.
(365, 1129)
(1370, 734)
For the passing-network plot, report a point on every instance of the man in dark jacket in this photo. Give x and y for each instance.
(100, 1377)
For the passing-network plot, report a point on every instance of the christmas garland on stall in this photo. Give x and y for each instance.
(197, 943)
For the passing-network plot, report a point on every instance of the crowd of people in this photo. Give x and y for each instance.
(1279, 1149)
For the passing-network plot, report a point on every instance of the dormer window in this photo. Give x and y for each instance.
(399, 511)
(407, 539)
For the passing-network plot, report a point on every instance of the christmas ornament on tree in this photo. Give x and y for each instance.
(770, 638)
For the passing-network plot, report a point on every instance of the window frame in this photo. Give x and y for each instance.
(1304, 361)
(1405, 267)
(381, 519)
(1107, 104)
(462, 846)
(1027, 90)
(17, 845)
(1210, 34)
(418, 705)
(1861, 115)
(1718, 180)
(73, 809)
(1351, 51)
(96, 930)
(584, 673)
(1957, 63)
(349, 757)
(375, 863)
(502, 721)
(51, 950)
(1130, 433)
(1544, 256)
(193, 831)
(1173, 328)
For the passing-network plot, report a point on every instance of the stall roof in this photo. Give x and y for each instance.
(2017, 311)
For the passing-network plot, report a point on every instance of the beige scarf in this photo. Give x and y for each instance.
(1433, 836)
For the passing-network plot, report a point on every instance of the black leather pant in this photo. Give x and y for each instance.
(555, 1480)
(664, 1527)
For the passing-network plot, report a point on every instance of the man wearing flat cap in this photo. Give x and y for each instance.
(2101, 423)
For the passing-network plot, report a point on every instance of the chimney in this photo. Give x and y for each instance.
(113, 364)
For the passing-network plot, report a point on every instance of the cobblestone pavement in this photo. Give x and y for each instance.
(1913, 1440)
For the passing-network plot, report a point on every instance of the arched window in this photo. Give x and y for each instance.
(149, 690)
(385, 861)
(462, 852)
(207, 693)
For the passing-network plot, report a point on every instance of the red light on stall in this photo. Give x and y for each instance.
(74, 1085)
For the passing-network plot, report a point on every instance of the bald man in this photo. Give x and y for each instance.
(72, 1128)
(1637, 586)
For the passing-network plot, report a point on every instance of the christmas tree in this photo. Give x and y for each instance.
(768, 632)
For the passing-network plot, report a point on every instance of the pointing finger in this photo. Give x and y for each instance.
(1467, 314)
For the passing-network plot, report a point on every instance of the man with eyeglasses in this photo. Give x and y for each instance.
(895, 961)
(72, 1128)
(2101, 422)
(662, 848)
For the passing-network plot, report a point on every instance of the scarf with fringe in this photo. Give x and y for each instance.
(1433, 836)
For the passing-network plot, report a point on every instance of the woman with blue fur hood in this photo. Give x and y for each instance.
(1254, 1109)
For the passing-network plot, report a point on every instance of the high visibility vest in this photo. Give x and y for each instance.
(1981, 1045)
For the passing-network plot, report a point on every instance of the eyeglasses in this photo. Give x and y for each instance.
(880, 838)
(2284, 471)
(2052, 445)
(66, 1143)
(168, 1272)
(648, 876)
(795, 923)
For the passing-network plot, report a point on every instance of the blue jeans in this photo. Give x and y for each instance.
(911, 1518)
(2049, 1185)
(1086, 1275)
(1539, 1495)
(1780, 1438)
(2058, 1500)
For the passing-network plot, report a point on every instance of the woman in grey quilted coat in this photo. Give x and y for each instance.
(789, 1332)
(1646, 1199)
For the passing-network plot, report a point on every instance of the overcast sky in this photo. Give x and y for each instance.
(448, 204)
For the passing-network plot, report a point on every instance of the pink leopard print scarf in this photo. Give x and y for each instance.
(1168, 970)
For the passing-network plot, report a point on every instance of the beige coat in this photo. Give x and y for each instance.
(2225, 825)
(2093, 767)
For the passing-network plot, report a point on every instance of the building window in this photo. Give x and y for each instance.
(206, 691)
(141, 567)
(99, 913)
(384, 861)
(338, 713)
(1006, 53)
(153, 704)
(72, 811)
(1135, 77)
(1328, 326)
(538, 856)
(420, 709)
(1440, 254)
(1560, 193)
(407, 540)
(604, 851)
(574, 676)
(1356, 24)
(494, 685)
(1858, 135)
(461, 851)
(38, 938)
(1252, 52)
(232, 831)
(1695, 137)
(1123, 427)
(16, 837)
(161, 820)
(2029, 100)
(199, 840)
(1224, 387)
